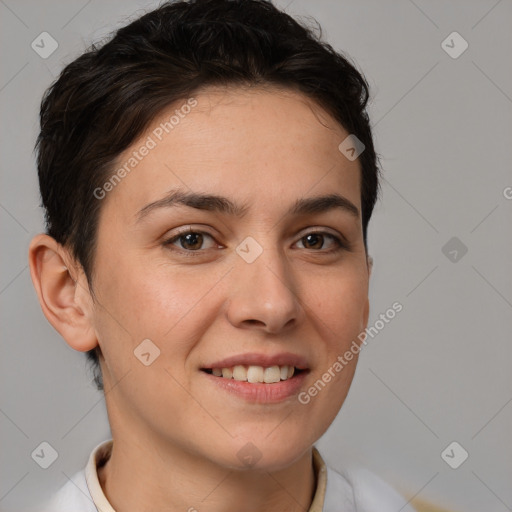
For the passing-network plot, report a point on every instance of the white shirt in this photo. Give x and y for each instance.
(346, 491)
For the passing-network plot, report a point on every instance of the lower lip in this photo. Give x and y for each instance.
(260, 392)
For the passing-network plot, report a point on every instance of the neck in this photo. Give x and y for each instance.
(170, 479)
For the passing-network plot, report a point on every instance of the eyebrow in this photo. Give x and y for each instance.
(220, 204)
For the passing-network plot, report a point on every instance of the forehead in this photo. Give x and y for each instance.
(259, 144)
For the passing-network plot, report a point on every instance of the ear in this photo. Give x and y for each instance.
(369, 261)
(366, 313)
(63, 292)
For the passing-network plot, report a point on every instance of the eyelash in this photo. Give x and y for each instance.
(340, 244)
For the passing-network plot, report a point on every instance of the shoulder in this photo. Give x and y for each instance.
(359, 490)
(73, 496)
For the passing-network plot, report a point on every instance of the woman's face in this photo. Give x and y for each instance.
(268, 276)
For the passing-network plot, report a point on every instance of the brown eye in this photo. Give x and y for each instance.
(316, 241)
(313, 241)
(191, 241)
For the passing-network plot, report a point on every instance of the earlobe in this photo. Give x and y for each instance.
(62, 291)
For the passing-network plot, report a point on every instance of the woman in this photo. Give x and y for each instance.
(208, 176)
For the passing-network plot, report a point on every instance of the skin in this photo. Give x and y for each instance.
(177, 436)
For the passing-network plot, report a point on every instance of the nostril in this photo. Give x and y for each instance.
(254, 322)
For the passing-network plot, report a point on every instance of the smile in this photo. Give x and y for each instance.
(255, 374)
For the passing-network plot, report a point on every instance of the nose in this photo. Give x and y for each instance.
(263, 295)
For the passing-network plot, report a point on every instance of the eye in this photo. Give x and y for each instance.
(316, 241)
(194, 241)
(190, 241)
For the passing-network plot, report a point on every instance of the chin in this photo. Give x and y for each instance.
(265, 453)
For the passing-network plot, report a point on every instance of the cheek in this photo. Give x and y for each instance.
(340, 303)
(148, 299)
(340, 308)
(139, 302)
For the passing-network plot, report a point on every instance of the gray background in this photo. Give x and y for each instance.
(439, 372)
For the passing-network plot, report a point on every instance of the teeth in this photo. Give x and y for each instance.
(227, 373)
(256, 374)
(272, 374)
(239, 373)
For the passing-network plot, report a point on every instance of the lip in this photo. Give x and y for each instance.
(266, 360)
(259, 393)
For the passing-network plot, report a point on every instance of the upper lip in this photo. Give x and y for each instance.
(266, 360)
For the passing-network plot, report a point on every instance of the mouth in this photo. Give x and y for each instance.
(254, 374)
(258, 378)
